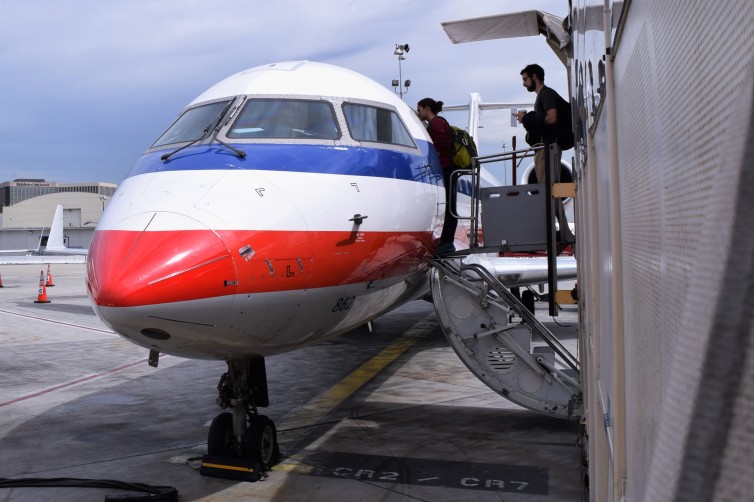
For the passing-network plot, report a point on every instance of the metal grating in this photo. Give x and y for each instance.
(668, 162)
(500, 359)
(642, 225)
(682, 73)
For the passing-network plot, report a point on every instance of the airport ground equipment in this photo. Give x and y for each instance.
(522, 361)
(517, 218)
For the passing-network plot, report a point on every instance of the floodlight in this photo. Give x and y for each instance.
(400, 50)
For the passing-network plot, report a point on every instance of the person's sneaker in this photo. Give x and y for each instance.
(445, 248)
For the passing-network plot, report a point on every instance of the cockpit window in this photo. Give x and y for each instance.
(191, 124)
(379, 125)
(285, 119)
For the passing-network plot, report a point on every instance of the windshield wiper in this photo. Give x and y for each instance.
(218, 119)
(166, 156)
(238, 152)
(219, 125)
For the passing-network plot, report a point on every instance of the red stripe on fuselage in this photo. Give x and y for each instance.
(131, 268)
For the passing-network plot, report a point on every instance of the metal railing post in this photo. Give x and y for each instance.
(552, 262)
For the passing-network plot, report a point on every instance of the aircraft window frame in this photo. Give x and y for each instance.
(203, 122)
(395, 118)
(305, 135)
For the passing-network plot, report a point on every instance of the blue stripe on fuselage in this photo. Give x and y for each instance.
(325, 159)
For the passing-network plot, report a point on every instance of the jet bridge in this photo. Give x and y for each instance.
(522, 361)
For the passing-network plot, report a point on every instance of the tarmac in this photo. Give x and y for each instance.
(387, 415)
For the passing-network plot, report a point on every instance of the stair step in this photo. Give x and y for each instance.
(498, 352)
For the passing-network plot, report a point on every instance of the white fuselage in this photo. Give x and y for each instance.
(209, 254)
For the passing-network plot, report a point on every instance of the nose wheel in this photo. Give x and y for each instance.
(259, 443)
(241, 444)
(221, 441)
(262, 441)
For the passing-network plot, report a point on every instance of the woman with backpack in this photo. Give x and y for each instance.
(440, 132)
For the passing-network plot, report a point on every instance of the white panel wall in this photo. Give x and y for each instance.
(681, 68)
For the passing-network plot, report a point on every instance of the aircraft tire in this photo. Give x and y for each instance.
(262, 441)
(220, 438)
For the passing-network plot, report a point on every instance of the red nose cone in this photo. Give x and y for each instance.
(131, 268)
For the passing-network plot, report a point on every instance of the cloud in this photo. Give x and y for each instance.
(87, 86)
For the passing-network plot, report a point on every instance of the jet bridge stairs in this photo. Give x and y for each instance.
(495, 335)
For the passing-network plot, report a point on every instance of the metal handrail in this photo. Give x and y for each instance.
(498, 157)
(476, 203)
(457, 270)
(474, 172)
(524, 313)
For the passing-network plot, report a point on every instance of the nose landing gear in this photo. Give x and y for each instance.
(242, 444)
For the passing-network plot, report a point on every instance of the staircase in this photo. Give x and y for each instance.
(475, 312)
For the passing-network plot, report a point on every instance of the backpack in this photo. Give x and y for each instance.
(562, 133)
(565, 124)
(462, 147)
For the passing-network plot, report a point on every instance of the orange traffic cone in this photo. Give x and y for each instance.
(42, 296)
(49, 283)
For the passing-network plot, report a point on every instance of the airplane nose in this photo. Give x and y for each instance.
(128, 268)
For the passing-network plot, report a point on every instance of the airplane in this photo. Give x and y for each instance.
(55, 242)
(287, 204)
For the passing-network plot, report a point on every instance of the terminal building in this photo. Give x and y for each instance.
(28, 205)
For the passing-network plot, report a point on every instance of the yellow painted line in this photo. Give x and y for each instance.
(311, 412)
(299, 468)
(227, 467)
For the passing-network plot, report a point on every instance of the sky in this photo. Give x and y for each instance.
(86, 86)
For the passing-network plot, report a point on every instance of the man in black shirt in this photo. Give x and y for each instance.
(541, 124)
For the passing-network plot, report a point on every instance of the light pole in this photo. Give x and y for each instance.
(400, 50)
(103, 199)
(505, 165)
